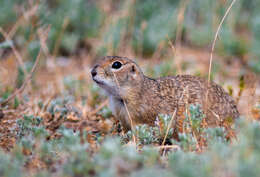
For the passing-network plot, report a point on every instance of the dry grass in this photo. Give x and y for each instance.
(214, 43)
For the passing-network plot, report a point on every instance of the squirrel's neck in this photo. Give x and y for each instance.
(142, 92)
(139, 103)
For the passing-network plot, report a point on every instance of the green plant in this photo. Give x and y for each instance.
(71, 27)
(10, 165)
(145, 134)
(29, 124)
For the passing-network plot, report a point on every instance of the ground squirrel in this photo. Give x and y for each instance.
(132, 94)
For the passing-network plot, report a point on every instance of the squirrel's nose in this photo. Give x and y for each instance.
(94, 71)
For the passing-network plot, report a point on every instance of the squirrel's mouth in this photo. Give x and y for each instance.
(111, 90)
(98, 81)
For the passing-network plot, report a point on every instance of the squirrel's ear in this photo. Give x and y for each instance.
(133, 71)
(133, 68)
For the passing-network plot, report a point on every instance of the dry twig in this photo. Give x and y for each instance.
(216, 36)
(16, 53)
(173, 115)
(179, 29)
(29, 76)
(29, 13)
(131, 121)
(169, 147)
(214, 43)
(102, 105)
(168, 127)
(27, 80)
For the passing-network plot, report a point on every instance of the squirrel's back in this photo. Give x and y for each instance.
(183, 90)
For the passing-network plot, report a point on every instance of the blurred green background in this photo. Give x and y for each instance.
(108, 26)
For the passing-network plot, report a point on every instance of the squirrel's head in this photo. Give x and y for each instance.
(117, 75)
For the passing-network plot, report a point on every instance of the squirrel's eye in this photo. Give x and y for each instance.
(116, 65)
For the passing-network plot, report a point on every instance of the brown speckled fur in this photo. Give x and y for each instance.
(145, 97)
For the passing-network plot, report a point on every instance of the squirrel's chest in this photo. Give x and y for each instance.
(116, 106)
(118, 109)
